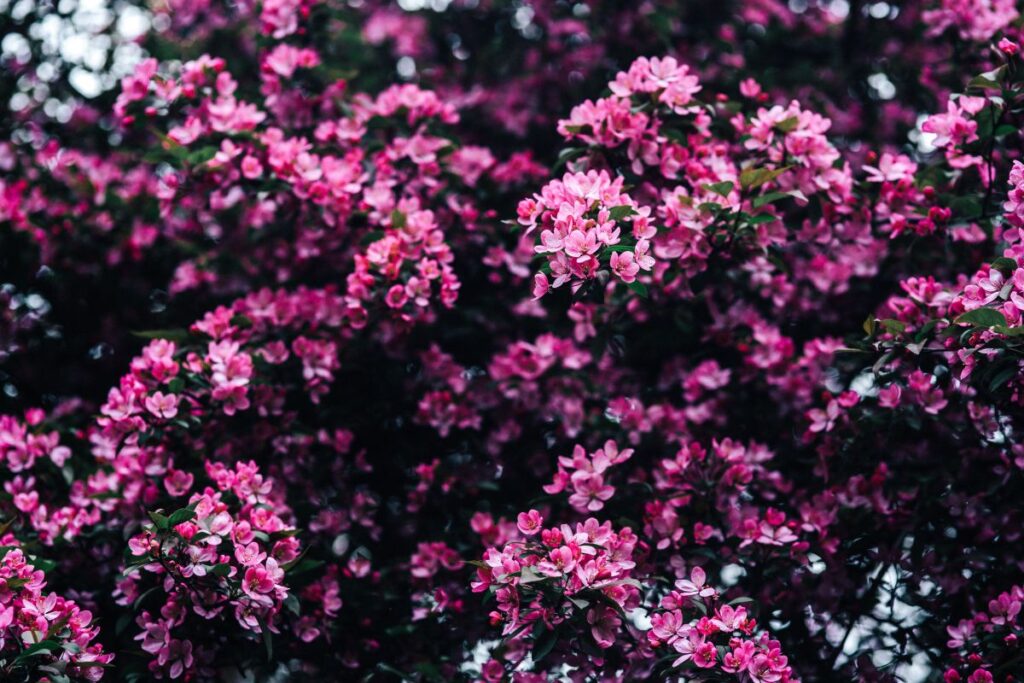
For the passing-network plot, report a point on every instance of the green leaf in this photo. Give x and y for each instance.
(528, 575)
(567, 155)
(201, 155)
(617, 213)
(1001, 378)
(291, 603)
(990, 80)
(41, 647)
(222, 569)
(982, 317)
(268, 643)
(968, 206)
(723, 188)
(768, 198)
(580, 603)
(1005, 265)
(371, 237)
(306, 564)
(674, 134)
(545, 644)
(926, 330)
(387, 668)
(179, 334)
(44, 564)
(179, 516)
(893, 326)
(753, 178)
(397, 219)
(638, 287)
(241, 321)
(763, 218)
(1006, 129)
(161, 521)
(142, 598)
(788, 125)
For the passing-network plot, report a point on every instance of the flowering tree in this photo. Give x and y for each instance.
(512, 341)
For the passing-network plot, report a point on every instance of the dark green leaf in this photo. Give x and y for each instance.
(753, 178)
(179, 516)
(1005, 265)
(161, 521)
(723, 188)
(788, 125)
(545, 644)
(982, 317)
(268, 642)
(638, 287)
(617, 213)
(171, 335)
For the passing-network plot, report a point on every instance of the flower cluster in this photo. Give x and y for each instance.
(712, 178)
(212, 560)
(723, 628)
(983, 645)
(583, 474)
(580, 574)
(310, 309)
(43, 634)
(587, 222)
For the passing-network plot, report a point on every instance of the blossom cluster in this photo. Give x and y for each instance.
(977, 661)
(723, 627)
(462, 341)
(44, 634)
(559, 573)
(212, 560)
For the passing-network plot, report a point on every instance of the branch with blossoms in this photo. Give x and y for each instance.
(571, 593)
(225, 552)
(696, 198)
(43, 635)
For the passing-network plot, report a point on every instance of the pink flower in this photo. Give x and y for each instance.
(824, 420)
(590, 491)
(705, 655)
(396, 296)
(889, 397)
(891, 168)
(580, 244)
(688, 646)
(696, 586)
(560, 561)
(624, 266)
(251, 167)
(529, 523)
(604, 622)
(176, 656)
(729, 618)
(980, 676)
(249, 555)
(260, 581)
(178, 482)
(540, 285)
